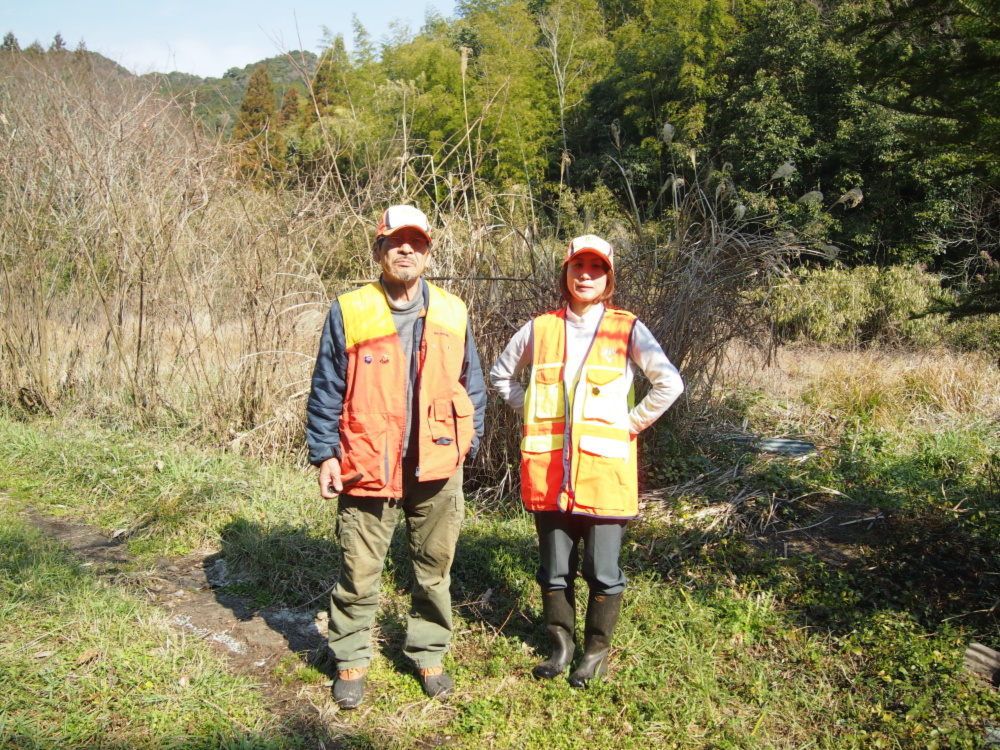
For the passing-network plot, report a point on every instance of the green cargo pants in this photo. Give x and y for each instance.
(433, 513)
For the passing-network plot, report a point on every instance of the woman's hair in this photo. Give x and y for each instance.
(606, 295)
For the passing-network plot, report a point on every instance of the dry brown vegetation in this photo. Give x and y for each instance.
(825, 390)
(144, 283)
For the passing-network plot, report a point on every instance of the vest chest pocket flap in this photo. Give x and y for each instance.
(606, 447)
(603, 398)
(548, 392)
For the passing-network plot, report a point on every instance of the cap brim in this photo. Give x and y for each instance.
(397, 230)
(591, 251)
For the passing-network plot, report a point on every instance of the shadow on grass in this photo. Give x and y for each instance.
(39, 570)
(917, 536)
(284, 575)
(40, 740)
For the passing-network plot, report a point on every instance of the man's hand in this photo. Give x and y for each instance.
(330, 484)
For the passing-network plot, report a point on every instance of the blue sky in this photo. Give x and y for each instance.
(206, 38)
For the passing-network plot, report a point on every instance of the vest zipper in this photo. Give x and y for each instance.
(420, 359)
(568, 432)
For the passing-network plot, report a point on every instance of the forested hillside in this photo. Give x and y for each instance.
(217, 100)
(865, 126)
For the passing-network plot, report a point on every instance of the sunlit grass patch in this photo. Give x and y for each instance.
(166, 499)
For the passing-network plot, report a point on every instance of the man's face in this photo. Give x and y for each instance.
(404, 255)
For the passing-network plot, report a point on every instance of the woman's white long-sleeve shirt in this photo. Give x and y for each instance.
(645, 353)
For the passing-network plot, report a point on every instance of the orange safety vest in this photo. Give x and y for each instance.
(374, 414)
(586, 464)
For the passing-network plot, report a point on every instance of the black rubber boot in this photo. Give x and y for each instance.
(602, 617)
(559, 610)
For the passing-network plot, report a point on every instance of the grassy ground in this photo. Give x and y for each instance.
(750, 622)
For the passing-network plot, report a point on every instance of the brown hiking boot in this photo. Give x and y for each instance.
(436, 683)
(349, 687)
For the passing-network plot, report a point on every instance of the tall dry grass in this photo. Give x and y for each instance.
(825, 391)
(145, 284)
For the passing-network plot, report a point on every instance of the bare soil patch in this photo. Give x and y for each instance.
(257, 642)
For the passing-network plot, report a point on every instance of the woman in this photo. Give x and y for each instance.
(578, 454)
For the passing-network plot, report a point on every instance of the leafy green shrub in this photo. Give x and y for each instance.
(862, 305)
(976, 334)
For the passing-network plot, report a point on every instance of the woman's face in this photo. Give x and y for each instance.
(586, 277)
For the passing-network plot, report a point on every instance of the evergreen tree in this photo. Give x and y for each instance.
(58, 44)
(289, 108)
(797, 93)
(261, 152)
(10, 43)
(512, 89)
(329, 86)
(364, 50)
(664, 73)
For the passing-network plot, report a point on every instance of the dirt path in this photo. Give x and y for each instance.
(257, 642)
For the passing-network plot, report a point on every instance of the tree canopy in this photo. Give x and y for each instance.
(869, 127)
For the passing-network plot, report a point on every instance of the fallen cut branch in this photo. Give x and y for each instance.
(862, 520)
(803, 528)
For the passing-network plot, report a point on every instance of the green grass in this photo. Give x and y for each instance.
(722, 644)
(86, 665)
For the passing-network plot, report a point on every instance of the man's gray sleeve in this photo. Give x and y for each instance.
(329, 385)
(475, 386)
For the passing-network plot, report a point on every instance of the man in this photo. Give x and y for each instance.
(397, 403)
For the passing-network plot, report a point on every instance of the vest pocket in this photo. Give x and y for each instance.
(603, 399)
(362, 442)
(464, 410)
(442, 421)
(548, 392)
(605, 478)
